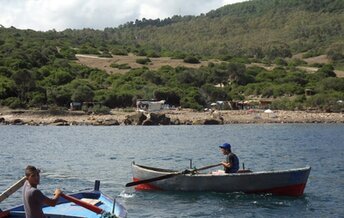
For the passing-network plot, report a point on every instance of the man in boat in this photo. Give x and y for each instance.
(33, 198)
(231, 165)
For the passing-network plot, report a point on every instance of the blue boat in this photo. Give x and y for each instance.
(90, 204)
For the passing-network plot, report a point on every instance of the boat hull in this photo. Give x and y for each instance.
(287, 182)
(68, 209)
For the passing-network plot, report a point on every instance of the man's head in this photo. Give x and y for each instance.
(226, 148)
(32, 175)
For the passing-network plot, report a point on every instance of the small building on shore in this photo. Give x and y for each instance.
(75, 106)
(221, 105)
(150, 105)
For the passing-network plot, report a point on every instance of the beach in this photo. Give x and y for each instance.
(165, 117)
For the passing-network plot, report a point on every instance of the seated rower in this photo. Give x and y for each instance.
(231, 165)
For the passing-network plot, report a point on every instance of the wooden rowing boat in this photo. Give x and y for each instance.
(290, 182)
(90, 204)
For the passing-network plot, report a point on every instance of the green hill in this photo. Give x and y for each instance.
(257, 28)
(39, 68)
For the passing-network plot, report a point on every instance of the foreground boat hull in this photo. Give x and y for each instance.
(68, 209)
(286, 182)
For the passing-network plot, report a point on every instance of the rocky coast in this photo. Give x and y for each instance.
(167, 117)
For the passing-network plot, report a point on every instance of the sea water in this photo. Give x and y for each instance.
(73, 157)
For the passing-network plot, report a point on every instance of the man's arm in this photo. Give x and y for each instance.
(53, 201)
(227, 165)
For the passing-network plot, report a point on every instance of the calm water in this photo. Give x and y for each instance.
(71, 158)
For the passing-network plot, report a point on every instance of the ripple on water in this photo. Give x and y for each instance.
(124, 194)
(102, 153)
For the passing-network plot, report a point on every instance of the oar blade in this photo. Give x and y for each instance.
(12, 189)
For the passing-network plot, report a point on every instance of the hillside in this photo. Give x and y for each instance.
(253, 44)
(257, 28)
(129, 62)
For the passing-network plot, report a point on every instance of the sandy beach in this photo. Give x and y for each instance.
(175, 117)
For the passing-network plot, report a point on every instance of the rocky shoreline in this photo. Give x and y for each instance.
(168, 117)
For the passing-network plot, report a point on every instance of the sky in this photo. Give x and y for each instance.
(43, 15)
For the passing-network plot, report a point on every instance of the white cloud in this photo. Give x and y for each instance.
(97, 14)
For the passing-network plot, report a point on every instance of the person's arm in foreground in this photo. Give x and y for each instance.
(53, 201)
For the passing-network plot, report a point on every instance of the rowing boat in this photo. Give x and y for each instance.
(291, 182)
(90, 204)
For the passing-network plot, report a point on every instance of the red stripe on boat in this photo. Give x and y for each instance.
(293, 190)
(146, 186)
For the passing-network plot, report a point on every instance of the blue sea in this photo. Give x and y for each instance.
(73, 157)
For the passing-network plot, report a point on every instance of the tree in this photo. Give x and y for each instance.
(7, 87)
(60, 95)
(219, 76)
(83, 94)
(191, 60)
(68, 53)
(236, 73)
(152, 77)
(326, 71)
(143, 61)
(192, 98)
(5, 71)
(24, 82)
(13, 103)
(37, 98)
(171, 96)
(336, 52)
(278, 49)
(212, 93)
(191, 76)
(61, 77)
(331, 83)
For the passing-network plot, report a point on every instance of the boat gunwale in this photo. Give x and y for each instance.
(62, 200)
(154, 169)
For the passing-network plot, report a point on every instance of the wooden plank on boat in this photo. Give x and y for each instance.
(90, 200)
(86, 205)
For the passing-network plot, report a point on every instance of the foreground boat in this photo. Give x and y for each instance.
(89, 204)
(284, 182)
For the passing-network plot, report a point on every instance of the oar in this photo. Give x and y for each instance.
(86, 205)
(170, 175)
(12, 189)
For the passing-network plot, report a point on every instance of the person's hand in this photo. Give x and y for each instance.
(57, 192)
(225, 164)
(186, 171)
